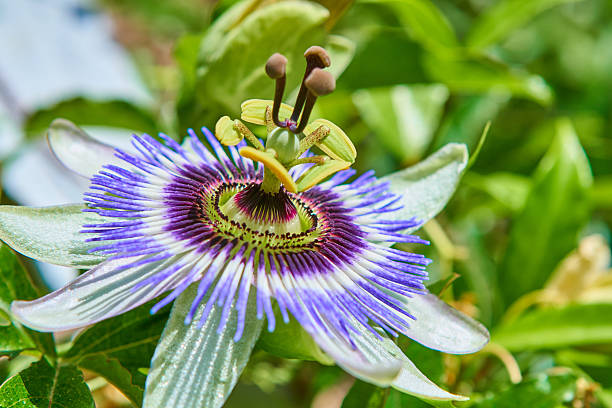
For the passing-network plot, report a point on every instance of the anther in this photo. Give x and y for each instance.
(316, 57)
(276, 69)
(318, 83)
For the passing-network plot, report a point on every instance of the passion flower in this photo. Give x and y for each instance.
(237, 231)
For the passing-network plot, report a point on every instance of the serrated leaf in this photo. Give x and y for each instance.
(15, 284)
(50, 234)
(320, 172)
(572, 325)
(404, 118)
(556, 210)
(130, 337)
(130, 382)
(119, 348)
(504, 17)
(42, 385)
(197, 366)
(426, 187)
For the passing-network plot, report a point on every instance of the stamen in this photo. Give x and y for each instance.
(276, 69)
(316, 57)
(318, 83)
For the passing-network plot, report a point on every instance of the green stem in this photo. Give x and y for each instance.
(270, 183)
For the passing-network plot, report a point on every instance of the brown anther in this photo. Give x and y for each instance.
(317, 54)
(276, 69)
(320, 82)
(316, 57)
(276, 66)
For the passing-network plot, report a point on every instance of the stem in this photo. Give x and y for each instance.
(523, 303)
(445, 246)
(507, 359)
(270, 184)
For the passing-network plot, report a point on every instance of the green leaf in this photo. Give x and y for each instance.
(426, 187)
(336, 9)
(42, 385)
(504, 17)
(542, 391)
(480, 76)
(119, 348)
(404, 118)
(236, 48)
(119, 114)
(466, 121)
(601, 195)
(552, 328)
(197, 366)
(130, 337)
(15, 284)
(364, 395)
(426, 24)
(290, 340)
(130, 383)
(341, 51)
(556, 210)
(605, 397)
(508, 189)
(50, 234)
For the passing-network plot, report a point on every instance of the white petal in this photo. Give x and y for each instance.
(381, 362)
(426, 187)
(98, 294)
(441, 327)
(196, 366)
(77, 150)
(50, 234)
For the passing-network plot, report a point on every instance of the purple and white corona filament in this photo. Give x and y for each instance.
(321, 254)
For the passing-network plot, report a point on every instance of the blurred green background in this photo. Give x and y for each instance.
(524, 244)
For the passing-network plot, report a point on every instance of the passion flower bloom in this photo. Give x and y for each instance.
(235, 232)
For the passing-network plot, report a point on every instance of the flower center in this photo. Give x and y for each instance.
(243, 211)
(263, 211)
